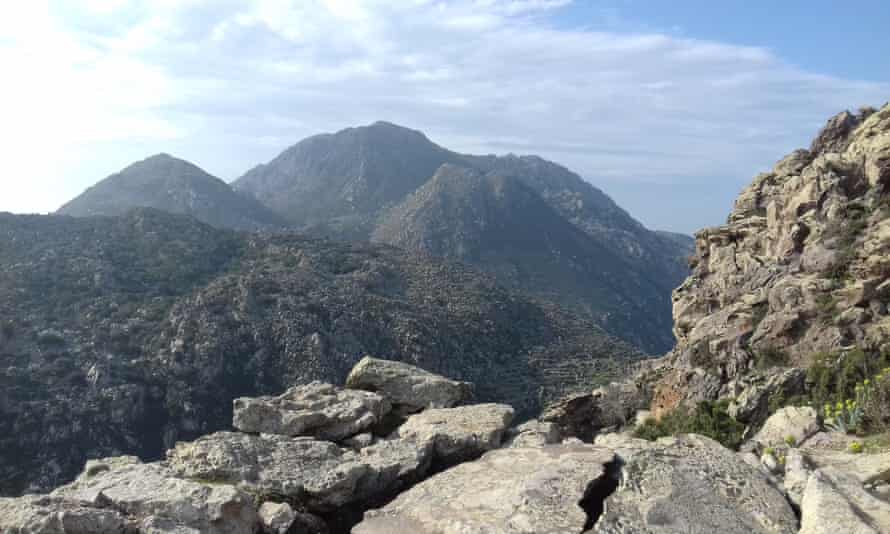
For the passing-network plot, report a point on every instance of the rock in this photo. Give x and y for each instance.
(797, 473)
(276, 517)
(769, 461)
(795, 422)
(318, 474)
(410, 388)
(582, 415)
(623, 445)
(164, 525)
(518, 490)
(867, 468)
(124, 485)
(51, 515)
(835, 501)
(360, 441)
(693, 484)
(317, 409)
(532, 434)
(752, 405)
(459, 434)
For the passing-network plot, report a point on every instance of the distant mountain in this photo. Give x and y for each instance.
(339, 183)
(502, 226)
(176, 186)
(121, 335)
(352, 185)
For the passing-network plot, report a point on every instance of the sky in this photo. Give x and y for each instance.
(671, 107)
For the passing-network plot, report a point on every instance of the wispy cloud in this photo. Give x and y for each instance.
(229, 83)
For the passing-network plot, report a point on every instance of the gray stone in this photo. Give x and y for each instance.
(51, 515)
(139, 490)
(692, 485)
(798, 423)
(164, 525)
(317, 409)
(459, 434)
(318, 474)
(752, 404)
(276, 517)
(407, 386)
(532, 434)
(624, 445)
(507, 491)
(797, 473)
(835, 501)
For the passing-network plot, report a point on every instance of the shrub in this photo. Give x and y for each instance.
(708, 419)
(769, 357)
(790, 441)
(833, 377)
(855, 447)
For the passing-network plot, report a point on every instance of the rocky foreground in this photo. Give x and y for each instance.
(398, 451)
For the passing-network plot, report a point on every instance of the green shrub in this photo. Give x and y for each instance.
(855, 447)
(769, 357)
(709, 419)
(833, 377)
(790, 441)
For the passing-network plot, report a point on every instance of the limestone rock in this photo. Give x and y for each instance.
(798, 423)
(317, 409)
(532, 434)
(276, 517)
(583, 415)
(124, 485)
(319, 474)
(835, 501)
(624, 445)
(407, 386)
(507, 491)
(797, 473)
(752, 404)
(692, 485)
(50, 515)
(164, 525)
(866, 468)
(459, 434)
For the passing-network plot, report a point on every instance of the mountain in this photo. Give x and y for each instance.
(121, 335)
(339, 183)
(347, 184)
(502, 226)
(177, 186)
(797, 279)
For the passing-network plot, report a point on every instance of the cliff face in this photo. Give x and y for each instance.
(800, 269)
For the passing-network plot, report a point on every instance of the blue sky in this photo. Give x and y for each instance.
(670, 107)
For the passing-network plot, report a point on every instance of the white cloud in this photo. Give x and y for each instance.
(221, 81)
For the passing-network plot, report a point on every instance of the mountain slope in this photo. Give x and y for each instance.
(502, 226)
(799, 274)
(344, 185)
(177, 186)
(144, 327)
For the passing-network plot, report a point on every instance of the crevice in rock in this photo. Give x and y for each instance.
(594, 500)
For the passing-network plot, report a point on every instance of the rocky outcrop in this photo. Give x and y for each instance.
(796, 272)
(692, 484)
(532, 433)
(788, 426)
(409, 388)
(835, 501)
(516, 490)
(317, 409)
(582, 415)
(458, 434)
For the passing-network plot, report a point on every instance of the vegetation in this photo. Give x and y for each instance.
(707, 419)
(769, 357)
(868, 412)
(845, 236)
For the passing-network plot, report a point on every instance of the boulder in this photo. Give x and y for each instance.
(532, 434)
(624, 445)
(458, 434)
(317, 474)
(50, 515)
(140, 491)
(410, 388)
(517, 490)
(797, 473)
(835, 501)
(317, 409)
(796, 422)
(692, 484)
(164, 525)
(867, 468)
(276, 518)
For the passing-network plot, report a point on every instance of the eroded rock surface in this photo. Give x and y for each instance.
(835, 501)
(690, 485)
(459, 434)
(507, 491)
(317, 409)
(410, 388)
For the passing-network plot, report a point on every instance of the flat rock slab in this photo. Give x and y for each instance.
(867, 468)
(459, 434)
(317, 474)
(835, 502)
(506, 491)
(692, 484)
(317, 409)
(410, 387)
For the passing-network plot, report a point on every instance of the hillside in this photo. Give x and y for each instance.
(502, 226)
(144, 327)
(176, 186)
(347, 184)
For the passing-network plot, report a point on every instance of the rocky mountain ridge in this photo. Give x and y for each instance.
(125, 334)
(798, 275)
